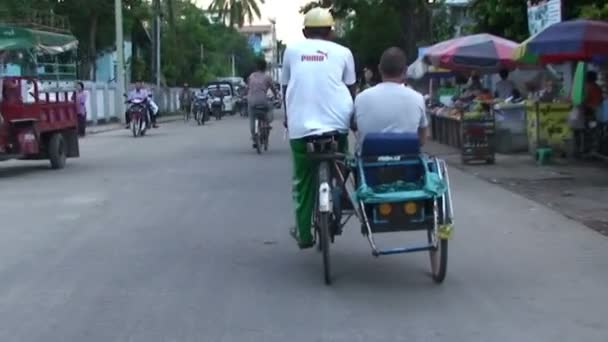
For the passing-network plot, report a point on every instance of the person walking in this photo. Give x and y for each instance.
(80, 97)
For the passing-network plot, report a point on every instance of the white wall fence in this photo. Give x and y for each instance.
(101, 101)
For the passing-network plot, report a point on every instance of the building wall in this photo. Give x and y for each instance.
(106, 64)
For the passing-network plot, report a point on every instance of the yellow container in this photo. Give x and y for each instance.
(548, 126)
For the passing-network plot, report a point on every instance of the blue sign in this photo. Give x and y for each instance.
(255, 42)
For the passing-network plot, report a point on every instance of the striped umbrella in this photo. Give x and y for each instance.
(576, 40)
(480, 52)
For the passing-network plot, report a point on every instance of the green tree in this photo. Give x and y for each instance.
(505, 18)
(88, 22)
(203, 50)
(509, 18)
(237, 11)
(406, 24)
(595, 11)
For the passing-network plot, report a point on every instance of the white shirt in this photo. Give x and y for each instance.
(504, 89)
(138, 94)
(316, 73)
(389, 108)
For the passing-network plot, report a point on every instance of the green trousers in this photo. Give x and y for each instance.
(305, 187)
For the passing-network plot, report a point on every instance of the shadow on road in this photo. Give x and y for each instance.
(21, 170)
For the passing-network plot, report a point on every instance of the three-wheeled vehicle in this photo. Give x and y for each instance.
(37, 121)
(391, 187)
(226, 91)
(37, 125)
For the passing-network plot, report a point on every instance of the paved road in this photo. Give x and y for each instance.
(182, 236)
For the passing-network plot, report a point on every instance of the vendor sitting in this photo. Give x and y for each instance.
(390, 106)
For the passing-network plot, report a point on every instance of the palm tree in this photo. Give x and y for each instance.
(237, 11)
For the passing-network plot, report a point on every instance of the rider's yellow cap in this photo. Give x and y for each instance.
(318, 17)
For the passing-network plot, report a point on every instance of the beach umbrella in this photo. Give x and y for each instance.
(479, 52)
(576, 40)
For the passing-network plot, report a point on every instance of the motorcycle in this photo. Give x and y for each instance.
(217, 108)
(139, 116)
(200, 111)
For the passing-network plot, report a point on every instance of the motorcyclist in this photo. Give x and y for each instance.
(319, 84)
(216, 94)
(259, 83)
(201, 97)
(141, 93)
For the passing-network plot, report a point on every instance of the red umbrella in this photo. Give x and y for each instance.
(481, 52)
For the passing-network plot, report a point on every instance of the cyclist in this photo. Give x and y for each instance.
(258, 83)
(319, 84)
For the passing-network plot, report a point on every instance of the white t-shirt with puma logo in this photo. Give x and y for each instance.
(317, 73)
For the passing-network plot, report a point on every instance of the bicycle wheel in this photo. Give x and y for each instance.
(266, 137)
(324, 222)
(258, 136)
(439, 255)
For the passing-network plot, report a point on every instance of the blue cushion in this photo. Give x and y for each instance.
(390, 144)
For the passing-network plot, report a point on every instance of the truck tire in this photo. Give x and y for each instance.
(57, 151)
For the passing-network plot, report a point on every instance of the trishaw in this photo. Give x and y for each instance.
(390, 186)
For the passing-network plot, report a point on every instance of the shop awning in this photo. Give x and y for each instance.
(18, 38)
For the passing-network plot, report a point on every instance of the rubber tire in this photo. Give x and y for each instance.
(266, 138)
(438, 272)
(135, 129)
(258, 143)
(57, 151)
(324, 222)
(325, 242)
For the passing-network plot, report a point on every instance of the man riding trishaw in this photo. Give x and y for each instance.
(397, 187)
(319, 82)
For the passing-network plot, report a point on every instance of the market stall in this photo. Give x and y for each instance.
(550, 123)
(511, 127)
(466, 118)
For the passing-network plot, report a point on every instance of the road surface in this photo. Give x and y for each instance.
(183, 236)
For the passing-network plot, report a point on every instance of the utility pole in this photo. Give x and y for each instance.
(275, 59)
(120, 61)
(233, 65)
(157, 21)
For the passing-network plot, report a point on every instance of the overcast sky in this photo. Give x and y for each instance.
(289, 20)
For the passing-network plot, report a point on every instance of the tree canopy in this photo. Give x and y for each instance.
(193, 49)
(236, 12)
(371, 26)
(509, 19)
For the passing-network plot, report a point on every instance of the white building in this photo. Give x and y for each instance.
(459, 12)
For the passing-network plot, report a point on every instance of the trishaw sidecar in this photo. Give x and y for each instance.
(400, 189)
(396, 188)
